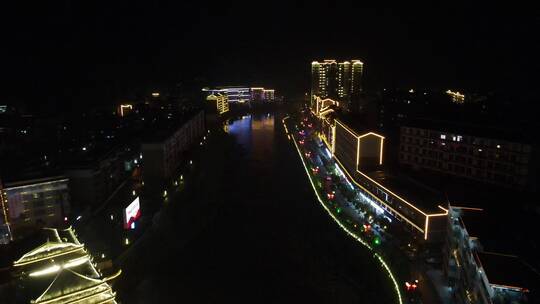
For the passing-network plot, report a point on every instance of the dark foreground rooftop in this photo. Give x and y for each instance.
(507, 270)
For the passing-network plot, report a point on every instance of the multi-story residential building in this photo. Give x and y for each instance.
(486, 159)
(268, 95)
(222, 102)
(340, 81)
(59, 271)
(476, 275)
(27, 205)
(456, 97)
(257, 94)
(163, 152)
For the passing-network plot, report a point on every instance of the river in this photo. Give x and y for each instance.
(249, 229)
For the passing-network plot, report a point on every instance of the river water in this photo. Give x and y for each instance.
(267, 240)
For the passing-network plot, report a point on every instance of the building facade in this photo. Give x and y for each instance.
(268, 95)
(162, 157)
(243, 94)
(222, 102)
(28, 205)
(476, 275)
(340, 81)
(487, 160)
(257, 94)
(92, 181)
(360, 156)
(456, 97)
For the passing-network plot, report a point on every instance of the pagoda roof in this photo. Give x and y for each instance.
(57, 243)
(69, 286)
(48, 250)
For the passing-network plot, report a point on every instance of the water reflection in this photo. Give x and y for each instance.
(255, 133)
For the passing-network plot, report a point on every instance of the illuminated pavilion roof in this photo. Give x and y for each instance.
(60, 270)
(49, 250)
(69, 286)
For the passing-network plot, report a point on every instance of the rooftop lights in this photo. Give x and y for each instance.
(55, 268)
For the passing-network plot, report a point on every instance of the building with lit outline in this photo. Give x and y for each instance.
(340, 81)
(26, 205)
(360, 155)
(241, 95)
(222, 102)
(60, 271)
(457, 97)
(234, 94)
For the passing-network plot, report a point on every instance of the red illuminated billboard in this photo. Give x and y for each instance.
(132, 213)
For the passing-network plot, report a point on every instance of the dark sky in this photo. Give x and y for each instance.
(74, 52)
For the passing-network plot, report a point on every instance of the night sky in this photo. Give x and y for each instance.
(68, 52)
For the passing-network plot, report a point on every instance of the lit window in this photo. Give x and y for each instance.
(443, 136)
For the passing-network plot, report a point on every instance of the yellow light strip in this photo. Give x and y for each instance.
(344, 228)
(46, 271)
(347, 128)
(357, 152)
(426, 230)
(381, 153)
(56, 268)
(323, 138)
(376, 198)
(76, 262)
(122, 107)
(17, 263)
(354, 133)
(78, 292)
(114, 276)
(371, 133)
(37, 184)
(3, 200)
(399, 197)
(443, 209)
(333, 140)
